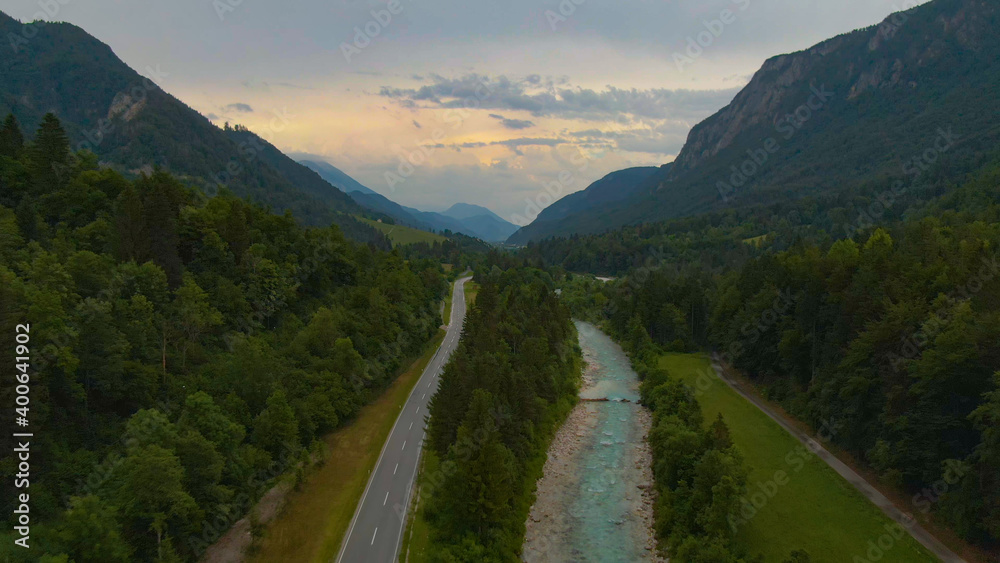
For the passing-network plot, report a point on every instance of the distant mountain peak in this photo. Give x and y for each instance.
(336, 176)
(486, 224)
(467, 210)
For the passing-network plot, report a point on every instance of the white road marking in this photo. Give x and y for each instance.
(422, 396)
(373, 537)
(394, 470)
(404, 445)
(386, 498)
(411, 426)
(418, 408)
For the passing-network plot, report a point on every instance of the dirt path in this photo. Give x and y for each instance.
(919, 533)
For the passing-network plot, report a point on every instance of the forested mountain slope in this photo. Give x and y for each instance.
(882, 101)
(185, 352)
(614, 187)
(132, 124)
(337, 177)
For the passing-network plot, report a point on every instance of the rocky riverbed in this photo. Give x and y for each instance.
(594, 501)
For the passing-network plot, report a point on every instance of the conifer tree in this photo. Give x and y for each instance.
(11, 138)
(48, 155)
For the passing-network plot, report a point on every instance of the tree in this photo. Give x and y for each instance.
(235, 230)
(48, 155)
(11, 138)
(276, 429)
(162, 197)
(203, 466)
(719, 434)
(194, 314)
(27, 219)
(151, 496)
(972, 502)
(477, 499)
(202, 414)
(89, 533)
(148, 427)
(132, 237)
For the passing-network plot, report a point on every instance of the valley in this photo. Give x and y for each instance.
(265, 298)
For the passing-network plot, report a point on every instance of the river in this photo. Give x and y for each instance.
(593, 501)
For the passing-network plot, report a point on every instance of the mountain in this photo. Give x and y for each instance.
(471, 220)
(486, 228)
(302, 177)
(614, 187)
(133, 125)
(862, 107)
(400, 214)
(441, 222)
(371, 199)
(336, 177)
(462, 211)
(490, 227)
(487, 224)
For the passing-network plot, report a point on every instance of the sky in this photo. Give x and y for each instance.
(434, 102)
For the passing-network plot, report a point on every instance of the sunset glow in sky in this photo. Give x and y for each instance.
(489, 100)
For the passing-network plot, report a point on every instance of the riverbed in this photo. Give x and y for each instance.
(594, 500)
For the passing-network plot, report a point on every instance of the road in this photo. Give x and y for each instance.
(379, 521)
(871, 493)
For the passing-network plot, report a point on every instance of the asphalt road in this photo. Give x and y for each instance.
(885, 505)
(377, 528)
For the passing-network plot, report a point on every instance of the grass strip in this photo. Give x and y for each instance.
(316, 517)
(813, 508)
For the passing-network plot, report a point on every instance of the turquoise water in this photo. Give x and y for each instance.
(604, 524)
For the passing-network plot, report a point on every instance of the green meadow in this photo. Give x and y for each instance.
(402, 235)
(794, 500)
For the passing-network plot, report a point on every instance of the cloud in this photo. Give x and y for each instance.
(665, 139)
(654, 123)
(526, 141)
(294, 86)
(549, 97)
(212, 117)
(417, 124)
(516, 124)
(512, 143)
(265, 86)
(239, 107)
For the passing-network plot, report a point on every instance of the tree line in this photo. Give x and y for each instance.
(510, 383)
(187, 350)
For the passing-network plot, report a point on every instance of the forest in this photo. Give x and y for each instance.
(510, 383)
(890, 337)
(186, 351)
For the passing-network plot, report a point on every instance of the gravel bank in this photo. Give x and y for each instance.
(561, 520)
